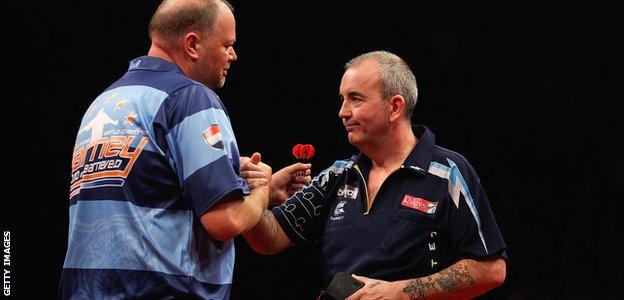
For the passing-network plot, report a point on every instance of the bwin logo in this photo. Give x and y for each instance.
(348, 191)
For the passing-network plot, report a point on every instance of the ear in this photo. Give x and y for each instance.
(397, 108)
(191, 45)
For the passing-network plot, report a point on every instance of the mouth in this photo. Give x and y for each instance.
(350, 126)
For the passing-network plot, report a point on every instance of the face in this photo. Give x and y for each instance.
(217, 51)
(363, 112)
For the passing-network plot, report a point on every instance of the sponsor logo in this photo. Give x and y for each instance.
(338, 211)
(340, 208)
(106, 158)
(348, 192)
(419, 204)
(134, 64)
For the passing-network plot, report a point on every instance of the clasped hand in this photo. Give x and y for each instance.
(283, 183)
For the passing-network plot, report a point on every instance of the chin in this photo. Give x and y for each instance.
(352, 139)
(221, 82)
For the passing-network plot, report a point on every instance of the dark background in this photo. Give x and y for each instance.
(530, 92)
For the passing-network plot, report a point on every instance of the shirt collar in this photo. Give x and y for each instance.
(419, 158)
(153, 64)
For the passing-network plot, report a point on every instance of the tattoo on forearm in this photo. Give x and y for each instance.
(420, 287)
(271, 223)
(454, 277)
(374, 284)
(448, 280)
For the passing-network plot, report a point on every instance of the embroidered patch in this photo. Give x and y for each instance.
(420, 204)
(339, 211)
(347, 191)
(212, 136)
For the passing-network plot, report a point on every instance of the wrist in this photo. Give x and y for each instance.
(265, 195)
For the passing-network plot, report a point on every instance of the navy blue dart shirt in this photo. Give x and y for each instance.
(427, 215)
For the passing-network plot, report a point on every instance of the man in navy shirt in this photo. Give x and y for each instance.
(156, 194)
(408, 218)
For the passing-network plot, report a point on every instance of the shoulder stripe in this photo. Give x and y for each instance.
(188, 138)
(456, 186)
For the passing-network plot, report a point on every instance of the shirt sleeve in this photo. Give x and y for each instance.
(474, 232)
(203, 147)
(302, 215)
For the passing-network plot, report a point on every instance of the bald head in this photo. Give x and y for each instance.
(174, 18)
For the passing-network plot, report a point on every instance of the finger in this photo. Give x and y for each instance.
(366, 280)
(264, 166)
(295, 187)
(244, 160)
(249, 166)
(297, 167)
(252, 174)
(266, 169)
(256, 157)
(302, 179)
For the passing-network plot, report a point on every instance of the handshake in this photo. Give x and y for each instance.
(283, 183)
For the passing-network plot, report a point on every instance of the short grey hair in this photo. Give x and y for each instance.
(172, 20)
(396, 77)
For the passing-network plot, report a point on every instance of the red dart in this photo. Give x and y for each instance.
(308, 151)
(296, 151)
(300, 151)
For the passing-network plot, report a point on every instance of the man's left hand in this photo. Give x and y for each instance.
(376, 289)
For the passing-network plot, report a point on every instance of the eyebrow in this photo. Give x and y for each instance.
(353, 94)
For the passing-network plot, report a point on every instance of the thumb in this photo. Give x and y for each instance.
(360, 278)
(255, 158)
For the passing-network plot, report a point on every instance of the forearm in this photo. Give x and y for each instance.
(231, 217)
(463, 280)
(250, 210)
(267, 236)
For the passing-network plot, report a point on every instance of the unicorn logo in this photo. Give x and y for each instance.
(340, 208)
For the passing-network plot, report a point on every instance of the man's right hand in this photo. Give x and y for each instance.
(255, 172)
(287, 181)
(235, 213)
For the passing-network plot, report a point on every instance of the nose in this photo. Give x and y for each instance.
(344, 112)
(232, 54)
